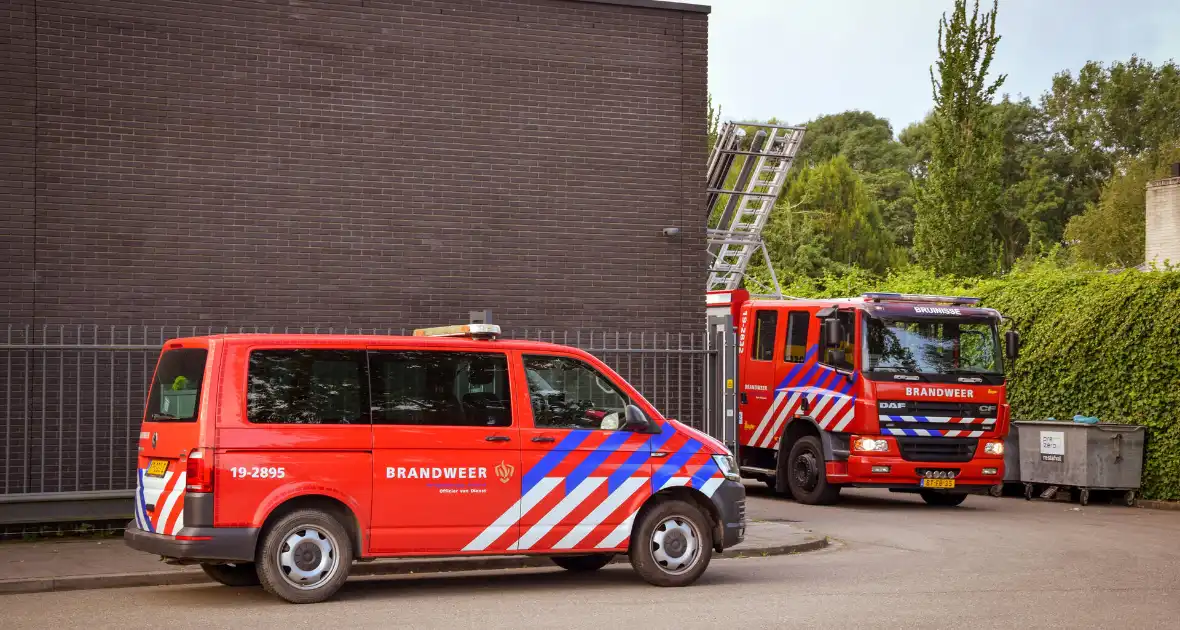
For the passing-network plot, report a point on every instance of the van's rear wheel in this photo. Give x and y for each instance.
(672, 545)
(305, 557)
(592, 562)
(241, 574)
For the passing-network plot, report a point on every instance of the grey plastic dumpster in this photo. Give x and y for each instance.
(1083, 456)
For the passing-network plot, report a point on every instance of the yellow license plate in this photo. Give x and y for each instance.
(157, 468)
(938, 483)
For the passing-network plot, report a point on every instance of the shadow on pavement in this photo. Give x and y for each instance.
(867, 498)
(515, 581)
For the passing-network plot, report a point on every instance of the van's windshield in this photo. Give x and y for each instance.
(176, 389)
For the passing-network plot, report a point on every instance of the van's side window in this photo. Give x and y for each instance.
(307, 387)
(765, 327)
(795, 348)
(569, 394)
(439, 388)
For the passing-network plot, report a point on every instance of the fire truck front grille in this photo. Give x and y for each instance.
(940, 449)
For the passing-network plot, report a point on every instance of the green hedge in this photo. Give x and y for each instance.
(1094, 342)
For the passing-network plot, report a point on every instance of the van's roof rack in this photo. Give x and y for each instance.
(475, 331)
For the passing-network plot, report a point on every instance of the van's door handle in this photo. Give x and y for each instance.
(543, 438)
(498, 438)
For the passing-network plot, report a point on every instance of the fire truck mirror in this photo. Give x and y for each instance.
(1012, 344)
(637, 422)
(832, 333)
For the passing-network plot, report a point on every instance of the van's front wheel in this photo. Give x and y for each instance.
(305, 557)
(241, 574)
(672, 545)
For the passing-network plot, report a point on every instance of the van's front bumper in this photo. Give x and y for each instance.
(196, 544)
(730, 501)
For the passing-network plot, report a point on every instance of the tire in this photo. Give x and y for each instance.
(305, 557)
(807, 478)
(943, 499)
(672, 544)
(243, 574)
(583, 564)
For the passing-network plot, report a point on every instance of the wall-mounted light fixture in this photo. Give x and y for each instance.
(671, 231)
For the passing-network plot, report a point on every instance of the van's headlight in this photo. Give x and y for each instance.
(728, 467)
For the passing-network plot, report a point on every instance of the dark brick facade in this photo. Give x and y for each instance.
(356, 162)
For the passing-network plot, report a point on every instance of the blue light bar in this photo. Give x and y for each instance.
(907, 297)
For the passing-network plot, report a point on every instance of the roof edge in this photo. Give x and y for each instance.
(655, 4)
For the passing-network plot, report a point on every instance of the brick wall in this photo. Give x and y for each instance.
(361, 163)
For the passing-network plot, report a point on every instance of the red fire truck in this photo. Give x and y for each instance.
(905, 392)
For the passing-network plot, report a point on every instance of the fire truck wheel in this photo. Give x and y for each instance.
(807, 476)
(946, 499)
(672, 545)
(305, 557)
(243, 574)
(592, 562)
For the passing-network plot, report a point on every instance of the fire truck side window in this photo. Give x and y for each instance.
(765, 326)
(847, 342)
(795, 348)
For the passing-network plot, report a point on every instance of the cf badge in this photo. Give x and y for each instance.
(504, 471)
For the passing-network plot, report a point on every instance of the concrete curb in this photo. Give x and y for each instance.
(361, 569)
(1158, 505)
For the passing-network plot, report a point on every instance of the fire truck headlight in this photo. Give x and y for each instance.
(993, 448)
(870, 445)
(728, 467)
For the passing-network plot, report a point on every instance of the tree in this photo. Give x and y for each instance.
(958, 201)
(828, 221)
(1103, 116)
(883, 163)
(1112, 231)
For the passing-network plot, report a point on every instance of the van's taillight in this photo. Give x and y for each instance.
(199, 472)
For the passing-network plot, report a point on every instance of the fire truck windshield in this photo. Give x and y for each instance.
(931, 346)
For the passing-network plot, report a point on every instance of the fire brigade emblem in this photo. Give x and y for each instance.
(504, 471)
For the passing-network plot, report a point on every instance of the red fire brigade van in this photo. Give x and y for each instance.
(904, 392)
(281, 459)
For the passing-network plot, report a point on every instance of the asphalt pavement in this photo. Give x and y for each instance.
(894, 563)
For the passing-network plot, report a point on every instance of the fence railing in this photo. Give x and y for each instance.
(72, 397)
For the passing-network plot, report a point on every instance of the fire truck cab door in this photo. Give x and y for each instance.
(759, 366)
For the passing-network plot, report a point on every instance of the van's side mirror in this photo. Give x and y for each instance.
(1011, 344)
(832, 333)
(637, 422)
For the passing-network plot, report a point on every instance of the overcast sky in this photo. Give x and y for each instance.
(798, 59)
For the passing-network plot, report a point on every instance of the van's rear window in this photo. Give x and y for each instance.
(176, 389)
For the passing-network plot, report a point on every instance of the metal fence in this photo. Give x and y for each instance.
(72, 397)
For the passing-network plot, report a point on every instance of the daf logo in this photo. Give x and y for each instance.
(155, 437)
(893, 405)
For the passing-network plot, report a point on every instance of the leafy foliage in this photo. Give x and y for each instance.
(962, 191)
(828, 222)
(1112, 231)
